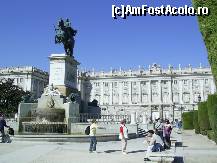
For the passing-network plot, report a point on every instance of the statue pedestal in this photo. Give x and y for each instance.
(63, 73)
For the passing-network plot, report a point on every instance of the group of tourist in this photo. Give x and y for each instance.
(157, 139)
(123, 135)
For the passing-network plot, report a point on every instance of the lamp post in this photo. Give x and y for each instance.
(173, 105)
(199, 98)
(181, 109)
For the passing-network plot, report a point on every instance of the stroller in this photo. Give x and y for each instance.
(6, 137)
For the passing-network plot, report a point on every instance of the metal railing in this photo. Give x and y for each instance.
(87, 117)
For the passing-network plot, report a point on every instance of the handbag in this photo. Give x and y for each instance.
(120, 136)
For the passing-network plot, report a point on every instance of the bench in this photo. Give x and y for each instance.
(164, 156)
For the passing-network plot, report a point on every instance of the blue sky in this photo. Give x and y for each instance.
(27, 34)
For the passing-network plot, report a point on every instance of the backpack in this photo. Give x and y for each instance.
(11, 131)
(87, 130)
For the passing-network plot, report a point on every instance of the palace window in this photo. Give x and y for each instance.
(175, 81)
(185, 81)
(195, 81)
(21, 80)
(206, 81)
(106, 84)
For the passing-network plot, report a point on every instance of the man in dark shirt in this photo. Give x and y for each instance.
(2, 125)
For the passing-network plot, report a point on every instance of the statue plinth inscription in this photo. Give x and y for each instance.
(63, 73)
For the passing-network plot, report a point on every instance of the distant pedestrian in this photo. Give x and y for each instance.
(179, 127)
(92, 135)
(15, 117)
(159, 127)
(2, 125)
(167, 133)
(123, 135)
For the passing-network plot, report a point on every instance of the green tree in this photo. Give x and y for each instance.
(208, 28)
(10, 96)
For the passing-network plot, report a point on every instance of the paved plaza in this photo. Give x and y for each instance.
(196, 148)
(46, 152)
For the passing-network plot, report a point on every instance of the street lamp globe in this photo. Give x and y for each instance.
(199, 98)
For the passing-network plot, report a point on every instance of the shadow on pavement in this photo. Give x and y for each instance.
(178, 160)
(138, 151)
(110, 151)
(180, 144)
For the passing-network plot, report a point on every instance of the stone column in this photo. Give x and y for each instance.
(110, 93)
(144, 118)
(120, 92)
(180, 92)
(170, 91)
(149, 92)
(101, 93)
(133, 118)
(92, 92)
(160, 91)
(211, 83)
(201, 89)
(140, 93)
(191, 91)
(160, 109)
(130, 92)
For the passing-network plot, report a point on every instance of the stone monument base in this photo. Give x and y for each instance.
(66, 91)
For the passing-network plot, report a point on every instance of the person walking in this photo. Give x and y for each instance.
(123, 136)
(92, 135)
(167, 133)
(2, 125)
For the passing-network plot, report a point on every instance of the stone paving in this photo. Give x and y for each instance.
(45, 152)
(196, 148)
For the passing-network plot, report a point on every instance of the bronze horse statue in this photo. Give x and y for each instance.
(65, 35)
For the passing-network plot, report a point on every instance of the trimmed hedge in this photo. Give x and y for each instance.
(195, 122)
(211, 102)
(203, 118)
(211, 135)
(212, 112)
(187, 119)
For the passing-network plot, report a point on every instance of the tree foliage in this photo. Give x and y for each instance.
(10, 96)
(208, 28)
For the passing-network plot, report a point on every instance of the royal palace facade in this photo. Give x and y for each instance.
(28, 78)
(151, 93)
